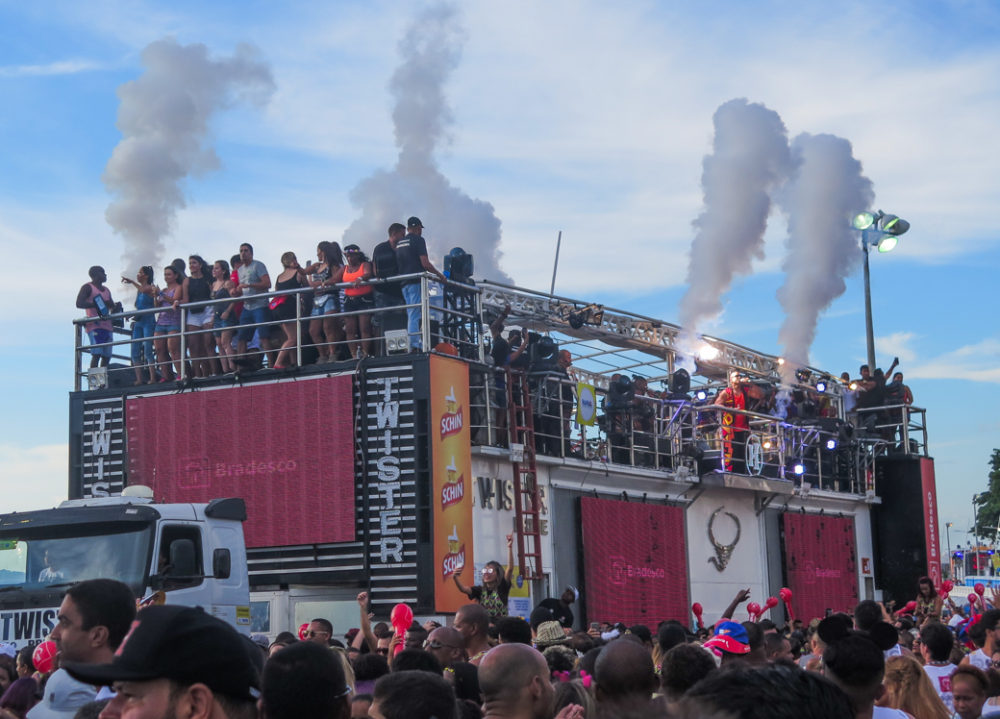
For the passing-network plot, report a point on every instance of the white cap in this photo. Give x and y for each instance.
(63, 696)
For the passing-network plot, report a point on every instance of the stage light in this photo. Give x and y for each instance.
(680, 382)
(864, 220)
(767, 444)
(821, 386)
(799, 469)
(853, 386)
(831, 444)
(888, 244)
(781, 361)
(701, 395)
(708, 352)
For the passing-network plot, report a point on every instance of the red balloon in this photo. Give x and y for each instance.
(697, 609)
(943, 593)
(401, 618)
(754, 610)
(980, 589)
(947, 585)
(771, 602)
(44, 655)
(909, 607)
(303, 630)
(785, 594)
(972, 599)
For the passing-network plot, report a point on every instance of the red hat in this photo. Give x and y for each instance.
(730, 637)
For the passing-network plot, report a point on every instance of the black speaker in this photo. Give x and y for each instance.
(898, 533)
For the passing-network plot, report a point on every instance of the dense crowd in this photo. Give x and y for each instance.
(224, 313)
(932, 659)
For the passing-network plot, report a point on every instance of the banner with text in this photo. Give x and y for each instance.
(928, 488)
(452, 493)
(286, 448)
(636, 561)
(820, 563)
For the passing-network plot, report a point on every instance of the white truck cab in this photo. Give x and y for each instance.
(191, 554)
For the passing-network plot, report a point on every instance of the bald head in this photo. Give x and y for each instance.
(472, 620)
(509, 668)
(625, 671)
(446, 645)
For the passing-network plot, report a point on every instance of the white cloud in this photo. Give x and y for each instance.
(35, 477)
(898, 344)
(978, 362)
(62, 67)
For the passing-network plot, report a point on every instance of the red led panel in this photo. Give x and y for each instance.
(820, 563)
(635, 558)
(287, 449)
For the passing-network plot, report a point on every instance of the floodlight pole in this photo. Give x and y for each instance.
(869, 329)
(555, 265)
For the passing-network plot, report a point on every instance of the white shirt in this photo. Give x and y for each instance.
(979, 660)
(941, 679)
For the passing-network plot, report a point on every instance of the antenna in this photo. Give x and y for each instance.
(555, 265)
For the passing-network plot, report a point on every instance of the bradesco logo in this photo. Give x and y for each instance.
(453, 490)
(451, 420)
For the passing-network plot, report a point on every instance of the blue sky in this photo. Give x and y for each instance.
(586, 117)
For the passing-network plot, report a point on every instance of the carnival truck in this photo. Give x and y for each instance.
(192, 554)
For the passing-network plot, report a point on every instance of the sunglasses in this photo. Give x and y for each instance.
(383, 650)
(311, 633)
(435, 645)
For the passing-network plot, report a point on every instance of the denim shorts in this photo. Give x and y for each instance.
(99, 337)
(251, 317)
(167, 329)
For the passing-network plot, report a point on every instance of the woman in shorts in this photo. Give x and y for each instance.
(167, 337)
(283, 307)
(325, 327)
(358, 300)
(225, 320)
(198, 288)
(143, 326)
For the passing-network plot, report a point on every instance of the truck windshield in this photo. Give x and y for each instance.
(35, 561)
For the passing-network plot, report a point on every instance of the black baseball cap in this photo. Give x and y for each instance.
(414, 222)
(183, 644)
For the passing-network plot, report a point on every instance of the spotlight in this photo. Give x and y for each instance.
(831, 444)
(799, 469)
(680, 382)
(853, 386)
(708, 352)
(781, 361)
(821, 386)
(767, 444)
(864, 220)
(701, 395)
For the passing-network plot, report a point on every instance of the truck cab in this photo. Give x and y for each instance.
(192, 554)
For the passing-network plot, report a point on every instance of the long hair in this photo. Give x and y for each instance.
(909, 688)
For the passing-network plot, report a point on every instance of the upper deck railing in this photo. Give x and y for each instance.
(680, 434)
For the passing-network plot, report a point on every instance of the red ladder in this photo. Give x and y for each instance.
(527, 500)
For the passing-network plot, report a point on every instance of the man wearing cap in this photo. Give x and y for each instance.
(560, 607)
(411, 258)
(730, 642)
(177, 662)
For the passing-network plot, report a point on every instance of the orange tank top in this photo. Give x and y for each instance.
(350, 276)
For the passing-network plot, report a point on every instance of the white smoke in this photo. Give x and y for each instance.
(825, 192)
(164, 119)
(430, 51)
(750, 158)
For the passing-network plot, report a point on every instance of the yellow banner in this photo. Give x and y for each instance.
(452, 466)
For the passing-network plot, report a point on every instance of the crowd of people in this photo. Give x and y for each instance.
(225, 315)
(928, 660)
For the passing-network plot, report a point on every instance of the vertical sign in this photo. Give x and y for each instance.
(928, 488)
(452, 466)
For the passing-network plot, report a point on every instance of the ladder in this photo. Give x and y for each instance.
(527, 500)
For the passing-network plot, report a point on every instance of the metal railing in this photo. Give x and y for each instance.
(672, 433)
(452, 308)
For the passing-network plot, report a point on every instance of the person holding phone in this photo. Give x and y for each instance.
(95, 299)
(495, 589)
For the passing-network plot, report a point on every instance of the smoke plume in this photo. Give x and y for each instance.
(825, 192)
(430, 52)
(750, 157)
(164, 119)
